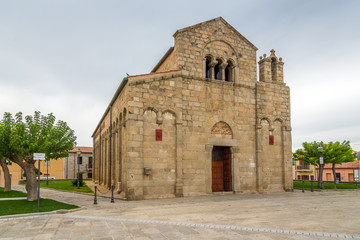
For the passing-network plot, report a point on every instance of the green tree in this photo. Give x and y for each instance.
(310, 154)
(333, 152)
(338, 153)
(5, 132)
(37, 134)
(7, 178)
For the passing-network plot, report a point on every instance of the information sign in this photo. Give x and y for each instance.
(321, 160)
(39, 156)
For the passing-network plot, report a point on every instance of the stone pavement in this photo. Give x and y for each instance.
(296, 215)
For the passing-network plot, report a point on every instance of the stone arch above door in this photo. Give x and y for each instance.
(222, 129)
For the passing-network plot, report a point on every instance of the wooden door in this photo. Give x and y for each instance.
(221, 169)
(217, 170)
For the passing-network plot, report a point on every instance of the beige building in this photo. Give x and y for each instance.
(71, 165)
(62, 168)
(304, 171)
(53, 168)
(200, 122)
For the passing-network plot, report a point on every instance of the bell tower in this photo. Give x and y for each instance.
(273, 127)
(271, 68)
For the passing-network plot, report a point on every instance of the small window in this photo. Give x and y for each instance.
(229, 72)
(79, 161)
(273, 69)
(208, 69)
(90, 162)
(46, 163)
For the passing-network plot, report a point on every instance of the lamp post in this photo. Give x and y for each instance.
(78, 163)
(321, 167)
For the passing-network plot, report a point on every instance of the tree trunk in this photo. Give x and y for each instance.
(7, 177)
(31, 187)
(334, 173)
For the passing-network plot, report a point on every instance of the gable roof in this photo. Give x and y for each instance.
(215, 20)
(171, 49)
(82, 149)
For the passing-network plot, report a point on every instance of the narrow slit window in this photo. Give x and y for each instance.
(229, 72)
(207, 70)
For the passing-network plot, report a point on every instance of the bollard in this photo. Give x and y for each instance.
(303, 186)
(312, 188)
(112, 194)
(95, 199)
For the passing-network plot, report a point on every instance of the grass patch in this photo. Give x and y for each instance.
(11, 207)
(65, 185)
(327, 185)
(11, 194)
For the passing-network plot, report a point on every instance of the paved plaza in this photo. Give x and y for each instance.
(292, 215)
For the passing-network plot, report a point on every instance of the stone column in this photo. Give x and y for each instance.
(179, 150)
(287, 158)
(259, 165)
(208, 168)
(212, 70)
(222, 69)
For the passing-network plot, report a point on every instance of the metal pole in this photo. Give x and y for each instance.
(303, 186)
(78, 175)
(47, 173)
(312, 188)
(38, 195)
(112, 194)
(95, 199)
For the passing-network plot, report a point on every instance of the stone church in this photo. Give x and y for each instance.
(200, 122)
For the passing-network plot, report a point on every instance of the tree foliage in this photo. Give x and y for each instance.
(333, 153)
(20, 138)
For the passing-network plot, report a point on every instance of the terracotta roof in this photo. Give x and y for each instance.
(355, 164)
(82, 149)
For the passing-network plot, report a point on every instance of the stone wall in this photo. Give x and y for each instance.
(193, 114)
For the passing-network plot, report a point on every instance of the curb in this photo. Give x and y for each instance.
(27, 215)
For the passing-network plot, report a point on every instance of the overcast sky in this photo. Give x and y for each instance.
(69, 56)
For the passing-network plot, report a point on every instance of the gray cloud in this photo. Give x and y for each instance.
(68, 57)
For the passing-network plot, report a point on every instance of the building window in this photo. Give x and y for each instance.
(207, 67)
(46, 163)
(79, 160)
(229, 72)
(273, 69)
(90, 162)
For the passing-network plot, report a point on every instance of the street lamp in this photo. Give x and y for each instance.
(78, 162)
(321, 167)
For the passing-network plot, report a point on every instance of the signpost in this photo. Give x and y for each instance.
(39, 157)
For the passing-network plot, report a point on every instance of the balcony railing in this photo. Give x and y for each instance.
(304, 167)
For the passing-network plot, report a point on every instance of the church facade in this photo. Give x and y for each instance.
(199, 122)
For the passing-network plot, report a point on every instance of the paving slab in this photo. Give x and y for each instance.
(293, 215)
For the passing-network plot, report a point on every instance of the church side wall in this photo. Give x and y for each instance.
(109, 143)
